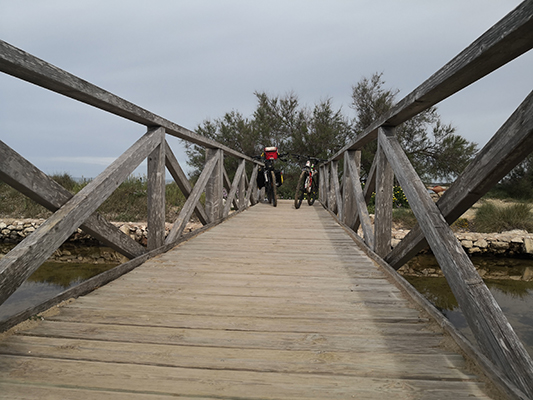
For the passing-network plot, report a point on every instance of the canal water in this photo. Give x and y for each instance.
(509, 280)
(48, 280)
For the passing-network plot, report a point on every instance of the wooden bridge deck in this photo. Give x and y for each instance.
(275, 303)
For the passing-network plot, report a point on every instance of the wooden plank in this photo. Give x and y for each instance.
(336, 198)
(190, 205)
(252, 188)
(214, 187)
(224, 383)
(507, 148)
(156, 195)
(362, 211)
(308, 361)
(237, 182)
(19, 173)
(494, 334)
(511, 37)
(181, 180)
(384, 197)
(28, 255)
(18, 63)
(314, 319)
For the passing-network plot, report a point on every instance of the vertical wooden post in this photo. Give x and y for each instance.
(384, 196)
(242, 188)
(322, 187)
(349, 204)
(336, 197)
(214, 189)
(495, 336)
(156, 195)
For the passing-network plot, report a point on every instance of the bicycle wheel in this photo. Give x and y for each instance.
(313, 194)
(274, 189)
(300, 190)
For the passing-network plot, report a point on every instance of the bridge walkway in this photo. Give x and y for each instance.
(275, 303)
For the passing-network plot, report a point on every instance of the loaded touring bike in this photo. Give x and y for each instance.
(308, 181)
(267, 176)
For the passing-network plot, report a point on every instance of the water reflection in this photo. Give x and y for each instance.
(48, 280)
(505, 280)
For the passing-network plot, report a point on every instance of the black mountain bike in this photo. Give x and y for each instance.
(308, 181)
(267, 176)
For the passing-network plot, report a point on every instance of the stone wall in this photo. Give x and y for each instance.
(510, 244)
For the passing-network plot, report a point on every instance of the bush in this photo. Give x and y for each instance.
(492, 218)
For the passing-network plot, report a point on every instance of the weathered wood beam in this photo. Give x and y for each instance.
(507, 148)
(506, 40)
(18, 63)
(496, 337)
(356, 191)
(228, 185)
(23, 176)
(156, 195)
(190, 205)
(384, 198)
(336, 197)
(214, 187)
(181, 180)
(28, 255)
(242, 188)
(237, 182)
(252, 188)
(349, 204)
(370, 187)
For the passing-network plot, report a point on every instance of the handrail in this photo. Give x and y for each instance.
(18, 63)
(79, 210)
(505, 41)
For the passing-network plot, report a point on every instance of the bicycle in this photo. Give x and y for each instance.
(268, 177)
(308, 181)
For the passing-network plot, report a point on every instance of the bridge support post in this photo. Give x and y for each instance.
(335, 191)
(349, 207)
(383, 204)
(156, 194)
(214, 188)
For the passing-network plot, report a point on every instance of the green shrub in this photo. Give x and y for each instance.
(492, 218)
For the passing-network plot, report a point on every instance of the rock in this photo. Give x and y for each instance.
(467, 244)
(497, 245)
(481, 243)
(528, 245)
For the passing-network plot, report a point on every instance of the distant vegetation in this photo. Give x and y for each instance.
(127, 203)
(492, 218)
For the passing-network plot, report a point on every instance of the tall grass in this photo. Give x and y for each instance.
(492, 218)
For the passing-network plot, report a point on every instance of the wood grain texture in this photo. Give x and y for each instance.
(190, 205)
(35, 249)
(497, 339)
(383, 202)
(298, 312)
(507, 148)
(156, 195)
(181, 180)
(23, 176)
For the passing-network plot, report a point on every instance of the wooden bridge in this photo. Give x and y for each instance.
(274, 302)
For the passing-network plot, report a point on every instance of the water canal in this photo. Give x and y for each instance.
(510, 281)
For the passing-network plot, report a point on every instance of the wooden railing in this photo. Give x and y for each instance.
(506, 40)
(346, 198)
(79, 210)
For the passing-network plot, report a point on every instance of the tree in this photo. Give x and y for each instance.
(518, 183)
(433, 148)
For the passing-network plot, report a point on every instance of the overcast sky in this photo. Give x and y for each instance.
(188, 61)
